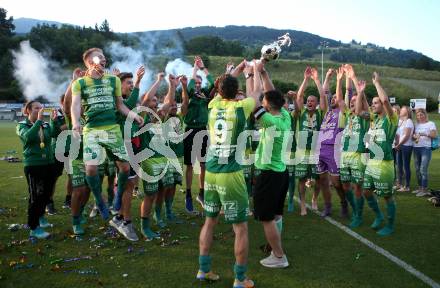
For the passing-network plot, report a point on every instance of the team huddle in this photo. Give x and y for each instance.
(249, 145)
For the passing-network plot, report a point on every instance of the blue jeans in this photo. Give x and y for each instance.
(403, 161)
(422, 156)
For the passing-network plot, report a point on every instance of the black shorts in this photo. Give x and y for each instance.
(57, 168)
(269, 194)
(190, 153)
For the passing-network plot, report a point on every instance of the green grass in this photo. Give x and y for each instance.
(321, 255)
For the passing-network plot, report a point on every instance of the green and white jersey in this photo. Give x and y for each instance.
(306, 127)
(226, 120)
(354, 132)
(381, 136)
(274, 130)
(98, 98)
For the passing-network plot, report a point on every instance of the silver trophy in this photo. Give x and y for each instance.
(272, 51)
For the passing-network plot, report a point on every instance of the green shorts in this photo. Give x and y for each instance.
(247, 172)
(78, 174)
(100, 139)
(379, 176)
(159, 175)
(305, 167)
(177, 177)
(227, 190)
(352, 167)
(291, 170)
(108, 168)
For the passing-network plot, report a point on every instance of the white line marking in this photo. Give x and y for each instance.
(379, 250)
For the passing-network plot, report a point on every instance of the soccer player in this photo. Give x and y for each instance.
(353, 146)
(308, 121)
(196, 119)
(225, 186)
(329, 139)
(273, 182)
(174, 131)
(100, 96)
(379, 173)
(156, 165)
(36, 137)
(122, 203)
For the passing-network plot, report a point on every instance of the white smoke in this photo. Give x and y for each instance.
(37, 75)
(127, 59)
(151, 45)
(179, 67)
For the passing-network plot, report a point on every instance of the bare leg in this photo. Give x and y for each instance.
(241, 244)
(273, 237)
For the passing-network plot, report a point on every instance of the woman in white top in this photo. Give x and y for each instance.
(424, 132)
(404, 147)
(396, 109)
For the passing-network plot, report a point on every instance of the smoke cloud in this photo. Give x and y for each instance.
(37, 75)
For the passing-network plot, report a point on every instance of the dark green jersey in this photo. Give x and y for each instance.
(381, 136)
(98, 98)
(306, 128)
(37, 142)
(174, 130)
(197, 115)
(354, 132)
(130, 102)
(59, 121)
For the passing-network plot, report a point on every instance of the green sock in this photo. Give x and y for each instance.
(111, 195)
(95, 185)
(249, 186)
(122, 182)
(169, 205)
(279, 224)
(372, 202)
(145, 223)
(81, 209)
(291, 187)
(76, 220)
(350, 198)
(205, 263)
(359, 206)
(158, 210)
(391, 211)
(239, 271)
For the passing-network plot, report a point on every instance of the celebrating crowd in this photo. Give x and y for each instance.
(249, 145)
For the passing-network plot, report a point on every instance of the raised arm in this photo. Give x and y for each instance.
(339, 76)
(258, 87)
(267, 82)
(153, 89)
(131, 101)
(328, 78)
(249, 76)
(185, 96)
(170, 98)
(361, 108)
(348, 89)
(382, 94)
(300, 95)
(323, 100)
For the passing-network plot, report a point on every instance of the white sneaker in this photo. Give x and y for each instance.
(128, 232)
(423, 194)
(115, 223)
(94, 212)
(274, 262)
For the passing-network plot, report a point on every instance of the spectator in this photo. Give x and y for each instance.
(404, 148)
(424, 132)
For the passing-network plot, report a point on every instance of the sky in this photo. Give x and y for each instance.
(403, 24)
